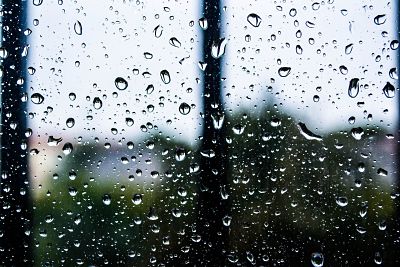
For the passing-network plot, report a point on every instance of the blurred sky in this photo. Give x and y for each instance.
(116, 34)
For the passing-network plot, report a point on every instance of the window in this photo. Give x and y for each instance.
(199, 133)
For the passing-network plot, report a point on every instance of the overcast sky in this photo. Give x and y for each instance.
(115, 35)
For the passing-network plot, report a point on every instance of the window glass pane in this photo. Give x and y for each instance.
(200, 133)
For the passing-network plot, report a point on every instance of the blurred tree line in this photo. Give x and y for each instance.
(290, 197)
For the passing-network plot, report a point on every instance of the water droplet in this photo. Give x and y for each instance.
(174, 42)
(52, 141)
(316, 98)
(208, 153)
(184, 108)
(292, 12)
(218, 48)
(72, 96)
(72, 191)
(129, 122)
(393, 73)
(389, 90)
(158, 30)
(70, 122)
(148, 55)
(344, 12)
(114, 131)
(354, 87)
(309, 24)
(238, 129)
(254, 20)
(180, 154)
(203, 23)
(299, 50)
(307, 133)
(137, 199)
(165, 76)
(382, 225)
(343, 70)
(342, 201)
(176, 212)
(37, 98)
(121, 83)
(284, 71)
(348, 49)
(394, 44)
(352, 120)
(31, 70)
(357, 133)
(218, 120)
(202, 65)
(382, 172)
(380, 19)
(152, 215)
(67, 148)
(107, 199)
(37, 2)
(78, 27)
(378, 258)
(149, 89)
(97, 103)
(315, 6)
(227, 220)
(72, 175)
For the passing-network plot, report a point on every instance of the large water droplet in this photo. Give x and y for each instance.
(208, 153)
(307, 133)
(129, 122)
(174, 42)
(357, 133)
(218, 120)
(97, 103)
(238, 129)
(121, 83)
(149, 89)
(37, 2)
(107, 199)
(348, 49)
(393, 73)
(284, 71)
(67, 148)
(254, 20)
(382, 172)
(317, 259)
(389, 90)
(184, 108)
(343, 70)
(378, 258)
(380, 19)
(180, 154)
(52, 141)
(310, 24)
(203, 23)
(37, 98)
(299, 50)
(218, 48)
(137, 199)
(70, 122)
(78, 27)
(152, 215)
(354, 87)
(158, 30)
(165, 76)
(394, 44)
(342, 201)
